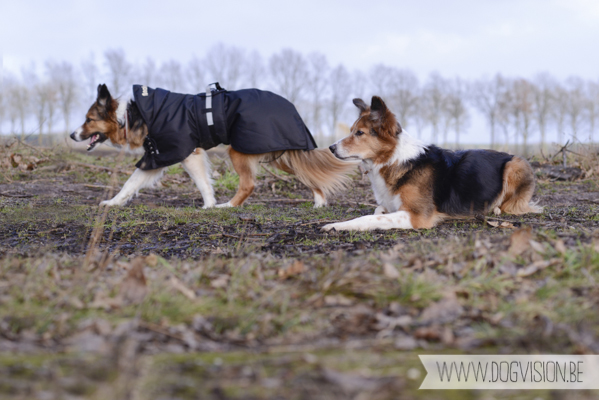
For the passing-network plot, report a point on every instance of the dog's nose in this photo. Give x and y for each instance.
(333, 147)
(73, 135)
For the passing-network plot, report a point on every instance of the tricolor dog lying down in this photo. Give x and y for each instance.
(417, 186)
(177, 128)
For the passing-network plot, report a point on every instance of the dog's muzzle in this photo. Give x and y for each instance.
(333, 148)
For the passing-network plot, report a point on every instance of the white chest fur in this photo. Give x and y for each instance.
(383, 195)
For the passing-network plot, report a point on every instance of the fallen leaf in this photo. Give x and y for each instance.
(520, 241)
(536, 246)
(220, 282)
(405, 343)
(337, 300)
(134, 287)
(443, 311)
(185, 291)
(560, 247)
(536, 266)
(294, 269)
(504, 224)
(390, 271)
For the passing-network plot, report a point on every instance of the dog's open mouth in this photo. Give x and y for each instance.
(94, 140)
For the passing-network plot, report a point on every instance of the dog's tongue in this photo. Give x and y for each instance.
(92, 142)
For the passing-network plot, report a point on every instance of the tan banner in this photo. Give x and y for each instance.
(511, 372)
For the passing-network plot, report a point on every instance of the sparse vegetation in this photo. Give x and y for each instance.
(161, 299)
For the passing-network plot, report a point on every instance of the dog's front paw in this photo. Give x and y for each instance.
(330, 227)
(224, 205)
(380, 210)
(209, 205)
(110, 203)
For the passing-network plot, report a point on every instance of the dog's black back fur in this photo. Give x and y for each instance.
(464, 182)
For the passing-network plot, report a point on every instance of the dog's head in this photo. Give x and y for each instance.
(373, 136)
(101, 122)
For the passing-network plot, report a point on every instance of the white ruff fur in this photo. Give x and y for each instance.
(408, 148)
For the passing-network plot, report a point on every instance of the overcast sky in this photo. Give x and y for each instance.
(469, 38)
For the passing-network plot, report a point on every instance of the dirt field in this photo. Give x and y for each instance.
(162, 299)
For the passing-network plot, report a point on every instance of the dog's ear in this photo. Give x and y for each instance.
(383, 119)
(104, 97)
(361, 105)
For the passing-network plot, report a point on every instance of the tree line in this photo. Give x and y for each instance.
(517, 110)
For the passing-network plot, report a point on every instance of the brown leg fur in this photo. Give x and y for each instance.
(246, 166)
(518, 188)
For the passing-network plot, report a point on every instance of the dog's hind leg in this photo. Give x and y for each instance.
(197, 165)
(320, 200)
(246, 166)
(518, 188)
(138, 180)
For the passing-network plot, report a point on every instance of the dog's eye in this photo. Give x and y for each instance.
(88, 120)
(359, 133)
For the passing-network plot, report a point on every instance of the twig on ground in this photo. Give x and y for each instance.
(33, 148)
(91, 166)
(98, 186)
(322, 221)
(281, 201)
(19, 196)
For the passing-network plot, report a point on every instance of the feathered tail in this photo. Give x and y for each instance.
(318, 169)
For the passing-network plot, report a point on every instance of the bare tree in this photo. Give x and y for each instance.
(523, 109)
(148, 73)
(340, 84)
(543, 98)
(592, 106)
(404, 92)
(359, 82)
(195, 75)
(119, 70)
(63, 76)
(225, 65)
(91, 76)
(486, 96)
(456, 107)
(419, 114)
(576, 104)
(288, 73)
(40, 103)
(434, 96)
(254, 70)
(20, 100)
(316, 84)
(171, 76)
(381, 78)
(503, 117)
(559, 110)
(3, 102)
(11, 86)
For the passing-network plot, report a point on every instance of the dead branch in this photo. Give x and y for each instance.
(91, 166)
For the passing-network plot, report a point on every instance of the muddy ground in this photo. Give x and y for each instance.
(162, 299)
(55, 210)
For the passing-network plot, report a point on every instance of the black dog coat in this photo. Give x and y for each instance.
(252, 121)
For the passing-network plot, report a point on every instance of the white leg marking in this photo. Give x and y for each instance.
(396, 220)
(319, 200)
(380, 210)
(224, 205)
(139, 179)
(197, 165)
